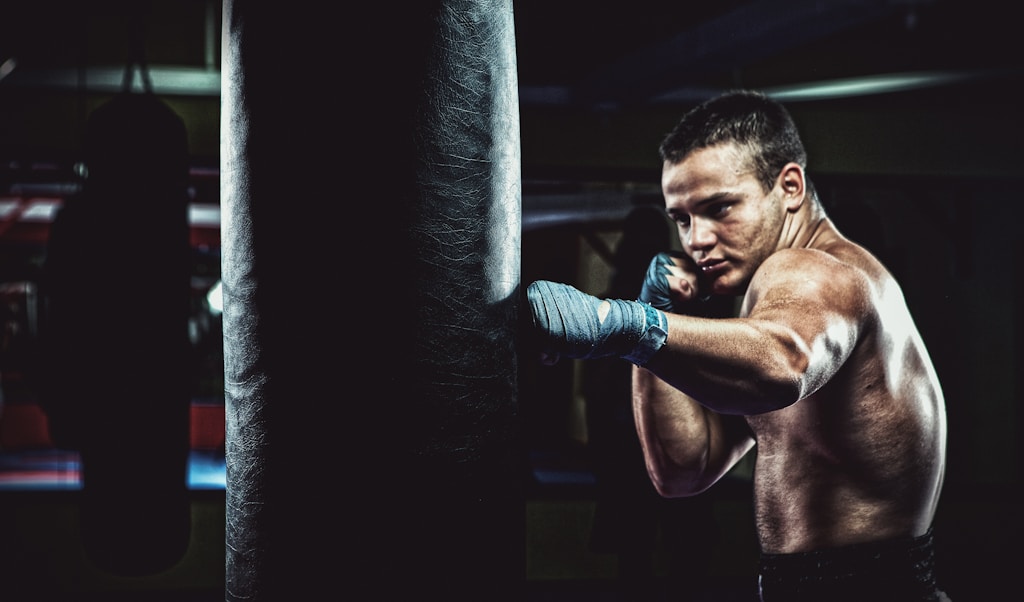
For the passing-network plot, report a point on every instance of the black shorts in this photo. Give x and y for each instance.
(901, 569)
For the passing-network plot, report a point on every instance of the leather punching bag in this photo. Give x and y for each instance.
(117, 367)
(371, 227)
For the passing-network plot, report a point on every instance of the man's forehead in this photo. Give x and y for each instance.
(736, 155)
(726, 162)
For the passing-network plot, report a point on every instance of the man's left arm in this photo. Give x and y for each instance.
(802, 317)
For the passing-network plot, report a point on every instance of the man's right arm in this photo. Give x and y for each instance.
(687, 447)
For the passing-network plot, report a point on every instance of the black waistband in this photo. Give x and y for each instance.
(895, 569)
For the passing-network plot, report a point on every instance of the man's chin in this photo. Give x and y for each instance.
(726, 287)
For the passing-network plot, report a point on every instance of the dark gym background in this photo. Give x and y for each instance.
(911, 112)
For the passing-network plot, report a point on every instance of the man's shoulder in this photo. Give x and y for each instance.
(795, 266)
(813, 277)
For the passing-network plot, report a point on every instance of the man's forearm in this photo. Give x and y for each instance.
(686, 446)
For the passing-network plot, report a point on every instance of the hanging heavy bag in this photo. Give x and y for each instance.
(117, 364)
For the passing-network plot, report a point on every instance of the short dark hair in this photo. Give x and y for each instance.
(748, 118)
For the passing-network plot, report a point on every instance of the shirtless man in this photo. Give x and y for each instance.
(821, 366)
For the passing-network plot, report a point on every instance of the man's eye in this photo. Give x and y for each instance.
(720, 209)
(683, 221)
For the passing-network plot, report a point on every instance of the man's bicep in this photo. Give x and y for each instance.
(823, 303)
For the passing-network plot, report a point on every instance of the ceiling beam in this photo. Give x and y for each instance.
(750, 33)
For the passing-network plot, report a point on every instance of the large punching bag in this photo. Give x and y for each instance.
(117, 352)
(371, 228)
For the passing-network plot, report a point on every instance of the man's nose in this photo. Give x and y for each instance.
(702, 235)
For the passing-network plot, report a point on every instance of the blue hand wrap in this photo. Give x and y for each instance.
(655, 335)
(655, 289)
(569, 323)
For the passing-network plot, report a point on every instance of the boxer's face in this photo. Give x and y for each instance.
(726, 221)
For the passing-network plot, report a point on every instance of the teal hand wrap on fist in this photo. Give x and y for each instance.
(655, 289)
(580, 326)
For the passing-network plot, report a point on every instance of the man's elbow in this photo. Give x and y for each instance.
(779, 385)
(677, 483)
(673, 491)
(770, 395)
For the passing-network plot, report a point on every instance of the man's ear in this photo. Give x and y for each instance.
(791, 182)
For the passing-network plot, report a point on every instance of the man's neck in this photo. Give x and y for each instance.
(807, 228)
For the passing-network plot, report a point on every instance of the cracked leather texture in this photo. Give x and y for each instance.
(371, 278)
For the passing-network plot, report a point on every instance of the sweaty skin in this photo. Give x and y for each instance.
(822, 368)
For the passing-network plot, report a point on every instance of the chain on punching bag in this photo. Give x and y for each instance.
(117, 350)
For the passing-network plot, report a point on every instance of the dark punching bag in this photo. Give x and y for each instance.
(371, 228)
(117, 290)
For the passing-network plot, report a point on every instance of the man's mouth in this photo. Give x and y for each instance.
(712, 267)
